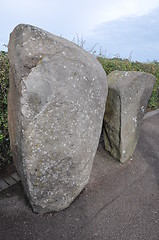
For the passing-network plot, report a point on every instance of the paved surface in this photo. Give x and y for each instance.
(121, 201)
(9, 181)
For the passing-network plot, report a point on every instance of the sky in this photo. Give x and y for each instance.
(114, 28)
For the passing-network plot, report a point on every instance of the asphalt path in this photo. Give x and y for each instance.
(121, 201)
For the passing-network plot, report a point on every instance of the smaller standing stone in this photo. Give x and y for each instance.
(128, 95)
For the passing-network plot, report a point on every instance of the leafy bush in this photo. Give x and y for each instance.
(110, 65)
(5, 156)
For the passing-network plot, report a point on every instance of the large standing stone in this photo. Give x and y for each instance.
(128, 95)
(56, 105)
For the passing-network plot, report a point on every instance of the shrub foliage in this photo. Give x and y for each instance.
(5, 156)
(109, 65)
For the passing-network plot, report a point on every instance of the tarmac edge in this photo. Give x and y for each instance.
(150, 114)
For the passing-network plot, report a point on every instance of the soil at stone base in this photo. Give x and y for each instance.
(7, 170)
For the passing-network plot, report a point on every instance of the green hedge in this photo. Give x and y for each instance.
(109, 65)
(5, 156)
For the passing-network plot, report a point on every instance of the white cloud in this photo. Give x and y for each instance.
(84, 14)
(104, 11)
(68, 17)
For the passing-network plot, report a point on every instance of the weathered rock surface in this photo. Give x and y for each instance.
(128, 95)
(56, 105)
